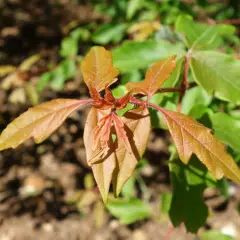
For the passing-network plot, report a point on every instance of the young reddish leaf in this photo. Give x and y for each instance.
(38, 122)
(192, 137)
(123, 101)
(121, 133)
(137, 127)
(104, 165)
(102, 132)
(156, 75)
(97, 69)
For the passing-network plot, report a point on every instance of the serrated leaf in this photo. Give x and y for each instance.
(201, 36)
(137, 126)
(185, 199)
(156, 75)
(119, 162)
(129, 211)
(217, 73)
(131, 56)
(192, 137)
(102, 169)
(38, 122)
(97, 68)
(227, 129)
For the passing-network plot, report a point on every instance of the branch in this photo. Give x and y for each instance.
(139, 102)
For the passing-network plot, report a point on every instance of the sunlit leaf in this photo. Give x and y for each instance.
(192, 137)
(202, 36)
(156, 75)
(195, 98)
(97, 68)
(102, 169)
(137, 126)
(217, 73)
(119, 161)
(133, 6)
(38, 122)
(131, 56)
(227, 129)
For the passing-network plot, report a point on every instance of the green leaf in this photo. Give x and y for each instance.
(189, 182)
(69, 68)
(119, 91)
(43, 81)
(109, 32)
(195, 97)
(214, 235)
(133, 6)
(165, 202)
(129, 211)
(227, 129)
(174, 78)
(81, 34)
(69, 47)
(128, 189)
(190, 30)
(202, 36)
(58, 79)
(196, 174)
(131, 56)
(134, 76)
(217, 73)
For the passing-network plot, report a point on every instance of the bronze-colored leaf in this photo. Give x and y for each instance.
(38, 122)
(103, 167)
(156, 75)
(137, 126)
(118, 163)
(192, 137)
(97, 68)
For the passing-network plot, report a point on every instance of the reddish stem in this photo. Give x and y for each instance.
(163, 90)
(139, 102)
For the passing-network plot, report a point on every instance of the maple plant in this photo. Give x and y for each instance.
(115, 141)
